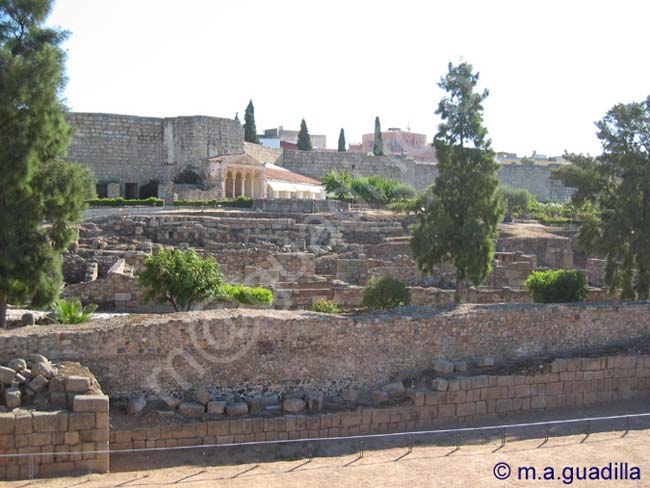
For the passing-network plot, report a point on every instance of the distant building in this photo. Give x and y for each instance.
(397, 141)
(280, 137)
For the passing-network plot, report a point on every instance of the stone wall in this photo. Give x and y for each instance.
(275, 350)
(129, 149)
(566, 382)
(534, 178)
(290, 205)
(263, 154)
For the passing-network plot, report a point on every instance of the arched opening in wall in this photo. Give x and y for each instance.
(269, 192)
(238, 185)
(149, 189)
(248, 185)
(230, 191)
(102, 190)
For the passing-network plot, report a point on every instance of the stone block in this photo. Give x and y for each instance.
(135, 405)
(7, 375)
(442, 366)
(203, 396)
(238, 408)
(38, 383)
(7, 423)
(191, 409)
(216, 407)
(50, 421)
(45, 369)
(56, 385)
(294, 405)
(36, 358)
(379, 397)
(460, 366)
(315, 400)
(77, 384)
(17, 364)
(13, 397)
(350, 395)
(90, 403)
(81, 421)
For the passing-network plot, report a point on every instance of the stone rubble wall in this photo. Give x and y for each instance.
(570, 382)
(273, 350)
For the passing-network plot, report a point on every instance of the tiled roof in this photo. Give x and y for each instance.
(286, 175)
(240, 159)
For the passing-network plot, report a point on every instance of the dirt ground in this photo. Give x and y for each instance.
(468, 466)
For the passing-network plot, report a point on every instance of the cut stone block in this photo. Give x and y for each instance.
(7, 375)
(135, 405)
(314, 400)
(442, 366)
(216, 407)
(203, 396)
(379, 397)
(294, 405)
(485, 362)
(191, 409)
(439, 384)
(239, 408)
(37, 384)
(90, 403)
(77, 384)
(13, 398)
(17, 364)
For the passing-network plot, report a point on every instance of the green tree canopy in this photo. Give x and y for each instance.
(40, 195)
(461, 210)
(250, 131)
(378, 145)
(342, 145)
(181, 278)
(304, 140)
(617, 184)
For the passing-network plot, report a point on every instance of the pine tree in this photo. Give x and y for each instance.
(342, 145)
(378, 146)
(461, 210)
(250, 131)
(36, 186)
(617, 185)
(304, 140)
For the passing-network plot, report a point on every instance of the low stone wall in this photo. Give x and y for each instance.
(291, 205)
(570, 382)
(272, 350)
(79, 432)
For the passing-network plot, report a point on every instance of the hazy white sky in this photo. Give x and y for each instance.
(552, 67)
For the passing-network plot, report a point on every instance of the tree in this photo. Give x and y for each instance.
(617, 184)
(461, 211)
(378, 145)
(250, 132)
(304, 140)
(181, 278)
(342, 145)
(41, 197)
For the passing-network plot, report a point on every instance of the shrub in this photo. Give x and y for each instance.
(517, 200)
(240, 202)
(325, 306)
(181, 278)
(369, 189)
(71, 311)
(385, 293)
(557, 286)
(339, 184)
(249, 295)
(123, 202)
(188, 176)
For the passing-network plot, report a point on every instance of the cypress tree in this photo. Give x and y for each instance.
(41, 196)
(304, 141)
(378, 146)
(461, 210)
(342, 141)
(250, 132)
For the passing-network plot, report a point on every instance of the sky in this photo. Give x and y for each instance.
(553, 68)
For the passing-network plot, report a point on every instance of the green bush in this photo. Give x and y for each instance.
(71, 311)
(181, 278)
(249, 295)
(240, 202)
(325, 306)
(385, 293)
(123, 202)
(374, 190)
(517, 200)
(557, 286)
